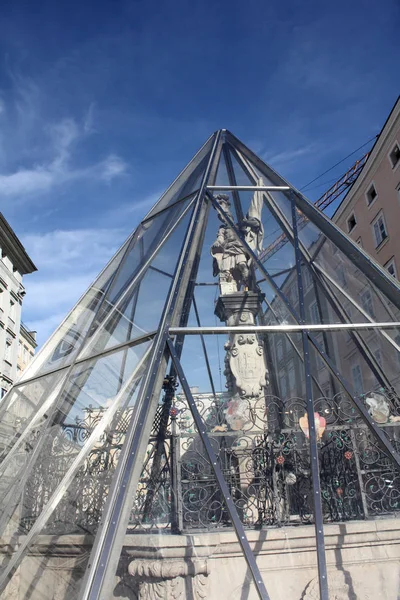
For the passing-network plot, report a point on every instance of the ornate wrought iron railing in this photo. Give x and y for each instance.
(266, 465)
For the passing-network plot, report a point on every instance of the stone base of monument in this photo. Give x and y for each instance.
(363, 560)
(239, 308)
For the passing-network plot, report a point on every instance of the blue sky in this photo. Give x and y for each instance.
(102, 103)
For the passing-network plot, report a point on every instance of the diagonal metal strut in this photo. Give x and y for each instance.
(237, 524)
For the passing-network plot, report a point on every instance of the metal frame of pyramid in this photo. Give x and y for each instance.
(84, 338)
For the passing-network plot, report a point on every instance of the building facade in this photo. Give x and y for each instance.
(14, 264)
(370, 212)
(26, 348)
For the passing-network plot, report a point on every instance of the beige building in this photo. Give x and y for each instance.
(26, 348)
(370, 212)
(14, 264)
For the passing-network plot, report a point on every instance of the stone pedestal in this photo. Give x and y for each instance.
(239, 308)
(245, 365)
(363, 559)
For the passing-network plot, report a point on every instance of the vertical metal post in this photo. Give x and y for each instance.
(176, 484)
(318, 516)
(243, 541)
(359, 474)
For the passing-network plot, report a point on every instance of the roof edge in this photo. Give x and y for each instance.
(390, 121)
(12, 247)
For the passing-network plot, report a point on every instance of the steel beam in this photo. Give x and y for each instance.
(248, 188)
(316, 486)
(220, 329)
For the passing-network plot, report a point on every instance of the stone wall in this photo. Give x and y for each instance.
(363, 563)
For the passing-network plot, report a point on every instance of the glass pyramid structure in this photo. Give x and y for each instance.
(234, 369)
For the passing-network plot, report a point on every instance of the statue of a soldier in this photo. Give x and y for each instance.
(232, 261)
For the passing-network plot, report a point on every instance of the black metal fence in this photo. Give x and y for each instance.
(266, 465)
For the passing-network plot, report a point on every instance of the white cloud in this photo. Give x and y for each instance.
(284, 158)
(112, 167)
(88, 122)
(68, 262)
(69, 250)
(26, 181)
(49, 296)
(57, 170)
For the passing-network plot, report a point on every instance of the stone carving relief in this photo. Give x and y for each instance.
(170, 579)
(245, 365)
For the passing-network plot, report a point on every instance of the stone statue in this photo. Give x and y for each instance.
(231, 260)
(378, 407)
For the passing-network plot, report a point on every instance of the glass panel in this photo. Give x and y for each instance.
(85, 449)
(222, 177)
(234, 269)
(358, 480)
(340, 268)
(188, 181)
(25, 405)
(88, 393)
(147, 242)
(61, 348)
(266, 466)
(141, 306)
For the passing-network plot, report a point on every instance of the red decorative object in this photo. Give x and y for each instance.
(280, 459)
(173, 412)
(339, 491)
(348, 455)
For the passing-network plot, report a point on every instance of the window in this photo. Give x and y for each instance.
(12, 311)
(394, 155)
(3, 392)
(367, 302)
(7, 353)
(314, 313)
(371, 194)
(359, 241)
(391, 267)
(379, 228)
(357, 379)
(351, 222)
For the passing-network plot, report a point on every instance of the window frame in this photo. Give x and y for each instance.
(397, 163)
(391, 263)
(367, 191)
(379, 216)
(369, 305)
(351, 215)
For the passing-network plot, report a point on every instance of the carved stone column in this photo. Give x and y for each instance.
(245, 366)
(170, 579)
